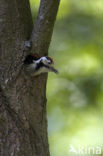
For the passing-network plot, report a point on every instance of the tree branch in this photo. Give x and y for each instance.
(25, 95)
(43, 28)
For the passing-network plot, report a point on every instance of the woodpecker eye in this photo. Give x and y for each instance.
(49, 62)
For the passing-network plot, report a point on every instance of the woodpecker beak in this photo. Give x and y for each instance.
(54, 70)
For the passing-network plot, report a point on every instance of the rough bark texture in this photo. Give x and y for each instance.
(23, 125)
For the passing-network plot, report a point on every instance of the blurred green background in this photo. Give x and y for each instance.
(75, 96)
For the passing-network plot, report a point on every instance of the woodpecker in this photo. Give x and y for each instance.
(35, 65)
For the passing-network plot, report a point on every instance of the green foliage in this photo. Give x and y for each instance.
(75, 96)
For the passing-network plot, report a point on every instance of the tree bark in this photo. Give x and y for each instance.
(23, 121)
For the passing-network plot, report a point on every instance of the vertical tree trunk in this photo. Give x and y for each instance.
(23, 125)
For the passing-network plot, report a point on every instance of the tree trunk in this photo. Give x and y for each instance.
(23, 121)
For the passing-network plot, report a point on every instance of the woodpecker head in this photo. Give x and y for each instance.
(36, 65)
(46, 60)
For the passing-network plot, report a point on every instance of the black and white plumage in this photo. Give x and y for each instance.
(35, 65)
